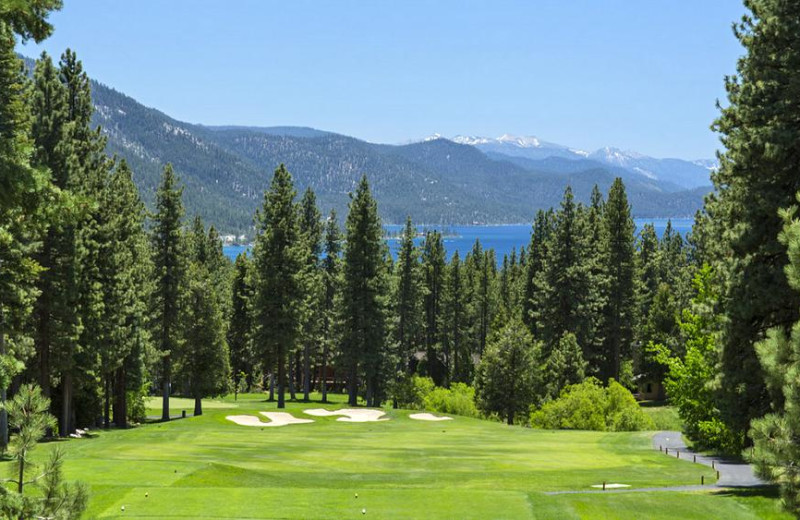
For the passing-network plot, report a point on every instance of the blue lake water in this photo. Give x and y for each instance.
(500, 238)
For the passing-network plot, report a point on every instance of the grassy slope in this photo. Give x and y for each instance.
(209, 467)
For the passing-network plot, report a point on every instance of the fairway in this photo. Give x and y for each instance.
(209, 467)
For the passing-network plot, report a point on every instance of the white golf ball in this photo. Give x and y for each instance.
(363, 511)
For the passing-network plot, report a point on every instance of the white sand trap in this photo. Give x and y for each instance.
(611, 486)
(350, 414)
(428, 417)
(284, 418)
(276, 419)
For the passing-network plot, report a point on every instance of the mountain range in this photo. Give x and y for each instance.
(463, 180)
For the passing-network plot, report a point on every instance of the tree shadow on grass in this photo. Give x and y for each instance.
(765, 491)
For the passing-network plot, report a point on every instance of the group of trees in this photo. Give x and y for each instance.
(313, 306)
(735, 378)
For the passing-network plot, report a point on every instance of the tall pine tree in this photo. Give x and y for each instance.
(278, 261)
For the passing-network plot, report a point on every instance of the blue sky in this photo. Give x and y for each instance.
(636, 74)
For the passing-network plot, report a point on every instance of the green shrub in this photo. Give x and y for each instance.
(411, 392)
(459, 399)
(590, 406)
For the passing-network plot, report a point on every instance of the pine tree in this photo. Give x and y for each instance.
(204, 361)
(596, 259)
(278, 261)
(409, 290)
(22, 192)
(776, 453)
(564, 366)
(311, 233)
(534, 291)
(485, 299)
(53, 497)
(757, 177)
(29, 19)
(363, 303)
(457, 357)
(433, 266)
(123, 273)
(506, 379)
(619, 300)
(566, 280)
(647, 275)
(331, 268)
(170, 269)
(241, 323)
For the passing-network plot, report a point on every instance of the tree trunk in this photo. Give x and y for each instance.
(165, 384)
(3, 412)
(306, 372)
(120, 399)
(106, 401)
(323, 383)
(510, 417)
(66, 405)
(370, 397)
(291, 378)
(271, 386)
(198, 406)
(351, 387)
(281, 379)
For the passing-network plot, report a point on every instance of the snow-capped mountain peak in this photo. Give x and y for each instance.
(470, 140)
(522, 142)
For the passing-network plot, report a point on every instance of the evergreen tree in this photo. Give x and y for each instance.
(647, 276)
(596, 259)
(331, 268)
(757, 176)
(241, 323)
(564, 366)
(408, 324)
(566, 280)
(123, 274)
(458, 359)
(506, 379)
(311, 235)
(619, 301)
(53, 498)
(533, 299)
(363, 303)
(170, 269)
(433, 266)
(776, 454)
(278, 260)
(484, 293)
(204, 361)
(28, 19)
(22, 219)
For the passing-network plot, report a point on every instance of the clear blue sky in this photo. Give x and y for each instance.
(637, 74)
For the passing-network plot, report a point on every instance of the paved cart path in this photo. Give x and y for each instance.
(732, 473)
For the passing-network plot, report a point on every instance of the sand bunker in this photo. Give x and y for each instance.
(611, 486)
(428, 417)
(276, 419)
(350, 414)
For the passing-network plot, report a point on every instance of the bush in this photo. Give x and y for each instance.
(411, 392)
(420, 393)
(459, 399)
(590, 406)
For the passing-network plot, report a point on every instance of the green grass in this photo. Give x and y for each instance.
(664, 417)
(208, 467)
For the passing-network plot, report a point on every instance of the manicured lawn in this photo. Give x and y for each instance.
(208, 467)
